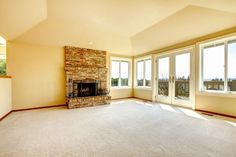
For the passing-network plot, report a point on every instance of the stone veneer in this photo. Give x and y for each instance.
(85, 64)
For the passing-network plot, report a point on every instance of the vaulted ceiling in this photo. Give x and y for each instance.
(127, 27)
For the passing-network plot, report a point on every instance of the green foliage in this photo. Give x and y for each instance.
(3, 67)
(114, 82)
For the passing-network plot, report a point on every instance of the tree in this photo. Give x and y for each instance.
(2, 66)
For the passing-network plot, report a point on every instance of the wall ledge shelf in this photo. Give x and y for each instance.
(5, 77)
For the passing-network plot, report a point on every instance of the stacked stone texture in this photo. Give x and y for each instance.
(85, 64)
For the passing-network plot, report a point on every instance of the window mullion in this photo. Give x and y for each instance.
(202, 65)
(144, 74)
(119, 74)
(226, 67)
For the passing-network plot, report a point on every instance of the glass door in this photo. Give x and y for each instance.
(175, 80)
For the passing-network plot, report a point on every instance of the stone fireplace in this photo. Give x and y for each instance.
(86, 77)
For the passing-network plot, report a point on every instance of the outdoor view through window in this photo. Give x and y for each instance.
(144, 73)
(2, 56)
(219, 62)
(119, 73)
(219, 67)
(181, 77)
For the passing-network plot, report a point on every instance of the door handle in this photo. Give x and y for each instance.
(173, 79)
(169, 79)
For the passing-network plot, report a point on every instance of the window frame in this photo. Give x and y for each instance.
(118, 59)
(144, 59)
(225, 40)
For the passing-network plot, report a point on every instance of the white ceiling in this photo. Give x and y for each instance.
(127, 27)
(189, 23)
(18, 16)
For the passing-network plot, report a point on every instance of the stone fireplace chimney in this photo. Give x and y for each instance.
(86, 77)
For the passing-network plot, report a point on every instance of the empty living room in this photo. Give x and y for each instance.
(117, 78)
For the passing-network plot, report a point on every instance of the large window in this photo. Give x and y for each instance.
(144, 72)
(2, 64)
(119, 73)
(218, 66)
(2, 56)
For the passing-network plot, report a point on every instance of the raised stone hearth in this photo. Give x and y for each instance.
(86, 77)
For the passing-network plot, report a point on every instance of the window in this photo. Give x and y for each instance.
(2, 56)
(213, 67)
(140, 73)
(124, 73)
(231, 66)
(144, 73)
(115, 73)
(218, 66)
(2, 64)
(119, 73)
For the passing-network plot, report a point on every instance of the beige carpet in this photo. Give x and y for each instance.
(126, 128)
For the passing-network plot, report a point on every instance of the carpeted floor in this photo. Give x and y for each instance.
(126, 128)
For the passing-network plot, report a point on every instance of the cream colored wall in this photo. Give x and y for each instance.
(143, 94)
(121, 93)
(38, 75)
(5, 96)
(218, 104)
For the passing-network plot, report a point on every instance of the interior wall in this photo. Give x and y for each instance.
(143, 94)
(121, 93)
(5, 96)
(38, 75)
(218, 104)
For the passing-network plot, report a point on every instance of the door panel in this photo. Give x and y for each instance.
(163, 82)
(182, 76)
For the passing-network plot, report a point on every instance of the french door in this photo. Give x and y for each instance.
(175, 78)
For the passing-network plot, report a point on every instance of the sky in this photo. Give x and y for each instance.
(144, 69)
(182, 66)
(121, 68)
(213, 63)
(213, 59)
(232, 60)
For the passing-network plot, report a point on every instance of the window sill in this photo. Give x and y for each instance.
(217, 93)
(5, 77)
(142, 88)
(120, 88)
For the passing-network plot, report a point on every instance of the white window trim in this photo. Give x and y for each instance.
(135, 73)
(120, 59)
(223, 39)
